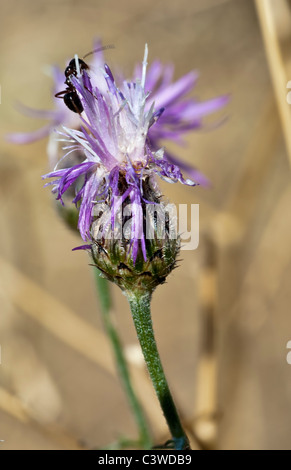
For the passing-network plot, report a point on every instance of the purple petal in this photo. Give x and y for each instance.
(194, 174)
(82, 247)
(68, 176)
(29, 137)
(137, 233)
(153, 75)
(174, 91)
(52, 115)
(204, 108)
(85, 214)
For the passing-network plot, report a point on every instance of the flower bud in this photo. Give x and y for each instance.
(155, 256)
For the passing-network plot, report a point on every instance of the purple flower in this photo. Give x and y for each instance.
(114, 136)
(182, 114)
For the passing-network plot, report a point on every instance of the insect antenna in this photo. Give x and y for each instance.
(103, 48)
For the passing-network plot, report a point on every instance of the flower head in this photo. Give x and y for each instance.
(118, 156)
(183, 114)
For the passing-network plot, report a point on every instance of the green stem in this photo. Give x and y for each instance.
(105, 301)
(140, 308)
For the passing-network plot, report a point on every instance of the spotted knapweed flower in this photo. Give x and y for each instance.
(183, 114)
(119, 162)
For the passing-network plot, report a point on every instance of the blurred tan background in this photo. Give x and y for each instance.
(223, 319)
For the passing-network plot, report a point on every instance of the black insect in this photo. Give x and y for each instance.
(70, 95)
